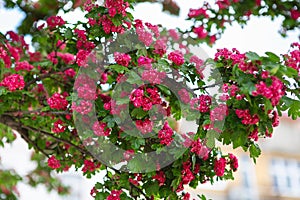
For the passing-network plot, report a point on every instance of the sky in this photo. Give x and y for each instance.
(260, 35)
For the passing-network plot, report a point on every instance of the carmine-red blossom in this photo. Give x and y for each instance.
(246, 116)
(24, 65)
(90, 166)
(54, 21)
(254, 135)
(165, 134)
(200, 149)
(274, 92)
(114, 195)
(128, 154)
(53, 163)
(13, 82)
(200, 31)
(145, 126)
(145, 62)
(153, 76)
(176, 57)
(100, 129)
(184, 95)
(84, 107)
(219, 113)
(234, 164)
(58, 102)
(201, 103)
(187, 196)
(219, 167)
(122, 59)
(70, 72)
(160, 177)
(145, 100)
(197, 12)
(186, 173)
(174, 34)
(295, 14)
(58, 126)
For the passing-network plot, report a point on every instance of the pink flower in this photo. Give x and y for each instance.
(114, 195)
(184, 95)
(201, 32)
(174, 35)
(58, 102)
(223, 4)
(295, 14)
(144, 126)
(202, 103)
(219, 167)
(122, 58)
(100, 129)
(13, 82)
(165, 134)
(58, 127)
(153, 76)
(54, 21)
(89, 166)
(160, 177)
(246, 117)
(201, 150)
(176, 57)
(219, 113)
(53, 163)
(70, 72)
(254, 135)
(84, 108)
(197, 12)
(128, 154)
(186, 196)
(145, 61)
(234, 164)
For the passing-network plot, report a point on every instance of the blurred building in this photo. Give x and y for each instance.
(276, 175)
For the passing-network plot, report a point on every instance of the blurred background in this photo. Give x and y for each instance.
(277, 172)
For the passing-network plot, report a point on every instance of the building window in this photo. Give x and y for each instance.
(285, 176)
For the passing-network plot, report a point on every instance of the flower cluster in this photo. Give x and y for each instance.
(160, 177)
(166, 134)
(58, 127)
(122, 58)
(233, 161)
(153, 76)
(200, 149)
(54, 21)
(219, 166)
(201, 103)
(58, 102)
(114, 195)
(176, 57)
(13, 82)
(184, 95)
(139, 98)
(83, 108)
(53, 162)
(89, 166)
(23, 66)
(100, 129)
(145, 126)
(246, 116)
(274, 92)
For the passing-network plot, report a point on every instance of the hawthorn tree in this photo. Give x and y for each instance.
(108, 95)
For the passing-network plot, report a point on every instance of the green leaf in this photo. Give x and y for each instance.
(273, 57)
(254, 152)
(151, 188)
(138, 113)
(69, 33)
(252, 56)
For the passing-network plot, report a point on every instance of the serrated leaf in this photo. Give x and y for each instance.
(252, 56)
(273, 57)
